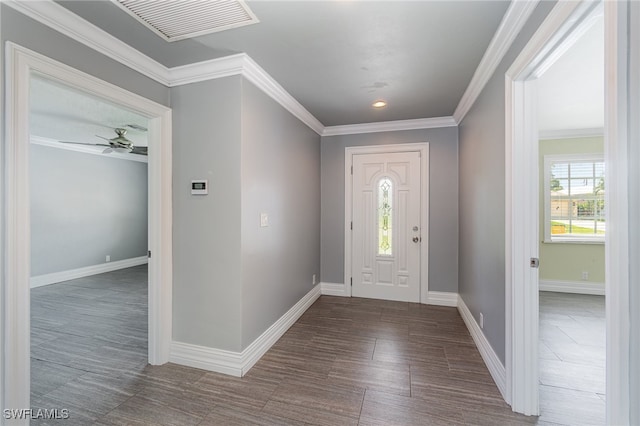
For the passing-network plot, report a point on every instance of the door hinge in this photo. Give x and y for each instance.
(352, 225)
(351, 282)
(351, 169)
(149, 254)
(534, 262)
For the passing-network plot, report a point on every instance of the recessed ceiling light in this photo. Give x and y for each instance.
(379, 104)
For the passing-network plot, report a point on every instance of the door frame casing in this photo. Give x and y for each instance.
(423, 149)
(20, 64)
(521, 313)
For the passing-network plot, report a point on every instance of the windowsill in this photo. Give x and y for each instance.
(573, 241)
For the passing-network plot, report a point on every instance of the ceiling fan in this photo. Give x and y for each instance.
(118, 144)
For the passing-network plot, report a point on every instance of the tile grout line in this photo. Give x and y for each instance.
(364, 395)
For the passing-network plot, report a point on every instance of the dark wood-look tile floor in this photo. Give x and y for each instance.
(346, 361)
(572, 358)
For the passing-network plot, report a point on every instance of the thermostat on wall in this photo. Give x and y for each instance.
(199, 187)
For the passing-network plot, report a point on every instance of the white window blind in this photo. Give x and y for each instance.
(574, 198)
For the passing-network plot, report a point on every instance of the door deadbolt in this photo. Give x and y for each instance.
(415, 228)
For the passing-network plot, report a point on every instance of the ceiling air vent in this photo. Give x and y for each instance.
(179, 19)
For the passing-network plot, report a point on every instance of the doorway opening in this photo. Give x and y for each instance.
(22, 64)
(572, 223)
(89, 243)
(522, 204)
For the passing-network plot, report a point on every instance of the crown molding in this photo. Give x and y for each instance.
(207, 70)
(242, 64)
(58, 18)
(87, 149)
(62, 20)
(571, 133)
(258, 76)
(68, 23)
(390, 126)
(514, 19)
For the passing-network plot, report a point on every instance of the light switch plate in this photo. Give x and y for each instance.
(264, 220)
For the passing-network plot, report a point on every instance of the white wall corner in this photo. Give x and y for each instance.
(72, 274)
(442, 298)
(239, 363)
(514, 19)
(577, 287)
(489, 356)
(333, 289)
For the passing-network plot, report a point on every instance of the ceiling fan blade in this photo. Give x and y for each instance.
(84, 143)
(102, 137)
(136, 127)
(141, 150)
(107, 151)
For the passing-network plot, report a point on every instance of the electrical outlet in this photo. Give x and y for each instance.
(481, 320)
(264, 220)
(313, 279)
(107, 258)
(585, 275)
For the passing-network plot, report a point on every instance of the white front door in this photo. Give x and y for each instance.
(387, 232)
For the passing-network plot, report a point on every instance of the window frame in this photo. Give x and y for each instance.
(549, 159)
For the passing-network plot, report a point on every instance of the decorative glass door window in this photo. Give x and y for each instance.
(385, 217)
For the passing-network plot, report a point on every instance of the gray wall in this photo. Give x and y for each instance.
(232, 278)
(482, 197)
(84, 207)
(206, 229)
(280, 177)
(443, 201)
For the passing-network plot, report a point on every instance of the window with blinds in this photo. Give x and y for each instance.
(574, 198)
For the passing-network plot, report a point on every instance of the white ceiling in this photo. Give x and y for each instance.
(571, 92)
(411, 54)
(61, 113)
(337, 57)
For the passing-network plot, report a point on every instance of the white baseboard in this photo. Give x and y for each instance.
(491, 360)
(442, 298)
(333, 289)
(58, 277)
(439, 298)
(579, 287)
(210, 359)
(239, 363)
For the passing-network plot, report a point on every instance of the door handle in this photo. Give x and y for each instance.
(416, 239)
